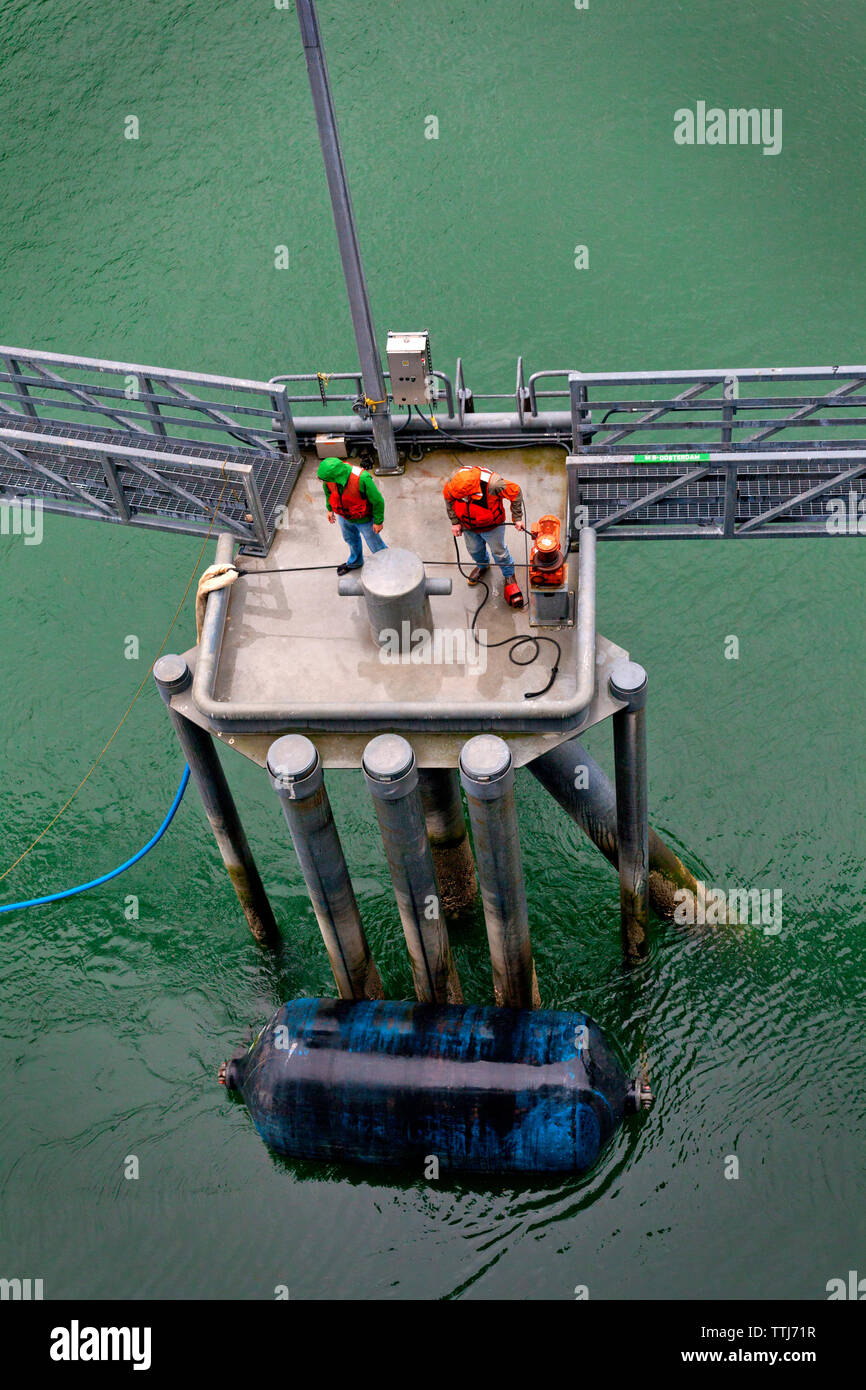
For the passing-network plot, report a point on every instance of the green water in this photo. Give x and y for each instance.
(556, 128)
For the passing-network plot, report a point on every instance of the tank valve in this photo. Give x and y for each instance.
(639, 1096)
(228, 1075)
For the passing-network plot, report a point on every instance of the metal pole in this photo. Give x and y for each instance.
(578, 395)
(587, 794)
(391, 775)
(449, 839)
(628, 682)
(299, 782)
(172, 675)
(487, 774)
(347, 236)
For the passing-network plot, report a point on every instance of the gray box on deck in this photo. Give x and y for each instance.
(409, 366)
(331, 446)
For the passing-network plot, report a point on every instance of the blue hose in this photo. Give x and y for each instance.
(95, 882)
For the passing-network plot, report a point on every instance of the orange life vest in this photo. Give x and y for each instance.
(479, 513)
(349, 501)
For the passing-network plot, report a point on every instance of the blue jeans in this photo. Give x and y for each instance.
(477, 543)
(352, 533)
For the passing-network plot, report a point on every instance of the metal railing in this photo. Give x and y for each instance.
(158, 401)
(708, 407)
(154, 446)
(715, 408)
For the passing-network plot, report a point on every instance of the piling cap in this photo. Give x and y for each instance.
(172, 674)
(389, 766)
(392, 573)
(628, 681)
(486, 765)
(292, 760)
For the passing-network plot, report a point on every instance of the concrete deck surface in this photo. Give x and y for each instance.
(290, 635)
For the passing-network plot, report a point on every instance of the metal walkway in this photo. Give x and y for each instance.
(742, 452)
(717, 494)
(145, 446)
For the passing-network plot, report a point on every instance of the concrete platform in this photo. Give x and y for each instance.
(289, 642)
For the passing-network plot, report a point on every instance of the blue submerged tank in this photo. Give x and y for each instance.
(484, 1090)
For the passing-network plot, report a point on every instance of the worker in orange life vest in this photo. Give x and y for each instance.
(475, 501)
(353, 499)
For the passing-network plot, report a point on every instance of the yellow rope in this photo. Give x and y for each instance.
(128, 711)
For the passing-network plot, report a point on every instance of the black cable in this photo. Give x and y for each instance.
(511, 642)
(291, 569)
(475, 444)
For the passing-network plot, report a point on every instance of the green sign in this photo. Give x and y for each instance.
(671, 458)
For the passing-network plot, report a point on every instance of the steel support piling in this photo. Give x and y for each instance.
(586, 793)
(392, 777)
(172, 675)
(439, 788)
(487, 774)
(297, 778)
(628, 682)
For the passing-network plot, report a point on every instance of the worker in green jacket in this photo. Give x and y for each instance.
(354, 500)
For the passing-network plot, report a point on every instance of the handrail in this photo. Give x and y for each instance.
(712, 403)
(315, 713)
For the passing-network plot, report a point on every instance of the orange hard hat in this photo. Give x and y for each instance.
(466, 482)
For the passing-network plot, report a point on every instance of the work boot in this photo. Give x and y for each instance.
(513, 596)
(477, 574)
(344, 569)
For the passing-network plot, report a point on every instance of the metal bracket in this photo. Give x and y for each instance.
(551, 607)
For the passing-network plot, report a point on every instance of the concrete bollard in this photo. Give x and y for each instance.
(449, 838)
(172, 675)
(391, 775)
(297, 777)
(487, 774)
(590, 800)
(628, 681)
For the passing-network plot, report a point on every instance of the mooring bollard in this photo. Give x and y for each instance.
(297, 777)
(628, 681)
(449, 838)
(172, 675)
(487, 774)
(391, 775)
(586, 793)
(396, 589)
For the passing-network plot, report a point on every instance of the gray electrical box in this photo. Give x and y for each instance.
(409, 366)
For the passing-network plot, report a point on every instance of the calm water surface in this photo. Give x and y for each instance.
(556, 128)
